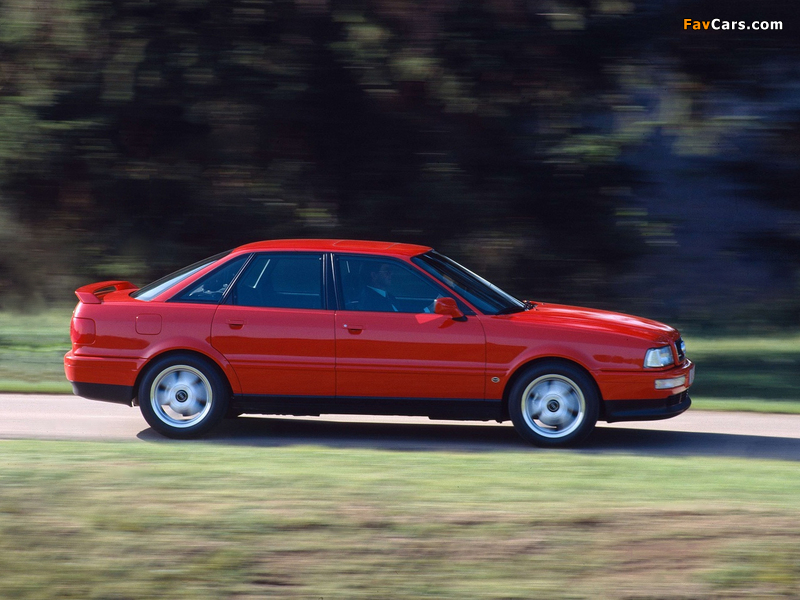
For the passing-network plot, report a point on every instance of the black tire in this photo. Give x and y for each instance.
(554, 404)
(183, 396)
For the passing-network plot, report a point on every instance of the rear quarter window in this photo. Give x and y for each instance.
(211, 288)
(151, 290)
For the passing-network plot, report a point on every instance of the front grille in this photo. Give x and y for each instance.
(681, 348)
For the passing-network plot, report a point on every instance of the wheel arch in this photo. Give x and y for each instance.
(524, 367)
(221, 371)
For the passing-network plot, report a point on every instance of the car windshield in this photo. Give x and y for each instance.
(487, 297)
(151, 290)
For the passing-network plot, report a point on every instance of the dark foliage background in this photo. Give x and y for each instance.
(586, 152)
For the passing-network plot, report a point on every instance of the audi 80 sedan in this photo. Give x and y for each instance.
(310, 327)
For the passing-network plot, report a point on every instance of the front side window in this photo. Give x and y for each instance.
(384, 285)
(486, 296)
(281, 281)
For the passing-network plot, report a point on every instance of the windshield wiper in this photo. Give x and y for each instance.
(510, 310)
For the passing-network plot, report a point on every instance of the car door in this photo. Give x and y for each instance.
(275, 329)
(390, 344)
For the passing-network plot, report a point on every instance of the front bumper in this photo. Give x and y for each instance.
(646, 410)
(635, 385)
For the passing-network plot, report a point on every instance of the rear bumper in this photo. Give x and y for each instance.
(105, 370)
(105, 375)
(646, 410)
(121, 394)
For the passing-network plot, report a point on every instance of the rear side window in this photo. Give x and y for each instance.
(211, 288)
(281, 281)
(151, 290)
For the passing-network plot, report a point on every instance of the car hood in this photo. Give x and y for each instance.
(598, 320)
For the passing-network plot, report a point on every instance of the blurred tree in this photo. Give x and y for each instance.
(741, 110)
(148, 134)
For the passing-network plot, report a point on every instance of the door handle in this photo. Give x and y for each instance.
(235, 324)
(354, 328)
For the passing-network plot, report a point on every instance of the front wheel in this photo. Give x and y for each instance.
(554, 404)
(182, 396)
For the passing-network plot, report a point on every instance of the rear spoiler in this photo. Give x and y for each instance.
(94, 292)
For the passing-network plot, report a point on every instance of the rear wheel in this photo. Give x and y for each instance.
(554, 404)
(183, 396)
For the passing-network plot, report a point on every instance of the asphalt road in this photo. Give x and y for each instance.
(694, 433)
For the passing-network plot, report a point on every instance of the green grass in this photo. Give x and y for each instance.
(205, 520)
(733, 373)
(747, 373)
(787, 407)
(32, 348)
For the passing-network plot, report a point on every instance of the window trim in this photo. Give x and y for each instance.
(235, 280)
(331, 289)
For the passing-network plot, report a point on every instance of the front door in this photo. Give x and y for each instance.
(275, 330)
(390, 344)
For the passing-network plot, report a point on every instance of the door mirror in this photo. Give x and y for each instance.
(448, 306)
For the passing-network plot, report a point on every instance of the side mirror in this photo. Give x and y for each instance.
(449, 307)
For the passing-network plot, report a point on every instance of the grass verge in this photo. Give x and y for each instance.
(747, 368)
(203, 520)
(759, 405)
(32, 349)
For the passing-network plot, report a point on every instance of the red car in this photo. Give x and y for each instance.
(310, 327)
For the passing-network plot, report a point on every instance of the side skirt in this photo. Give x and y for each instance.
(435, 408)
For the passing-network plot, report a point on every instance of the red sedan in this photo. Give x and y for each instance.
(310, 327)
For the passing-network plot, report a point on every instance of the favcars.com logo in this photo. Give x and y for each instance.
(720, 25)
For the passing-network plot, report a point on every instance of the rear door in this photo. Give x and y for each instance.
(390, 344)
(275, 328)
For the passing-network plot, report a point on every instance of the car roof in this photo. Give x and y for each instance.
(322, 245)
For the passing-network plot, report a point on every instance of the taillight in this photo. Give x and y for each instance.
(82, 330)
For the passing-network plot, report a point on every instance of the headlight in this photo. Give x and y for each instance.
(659, 357)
